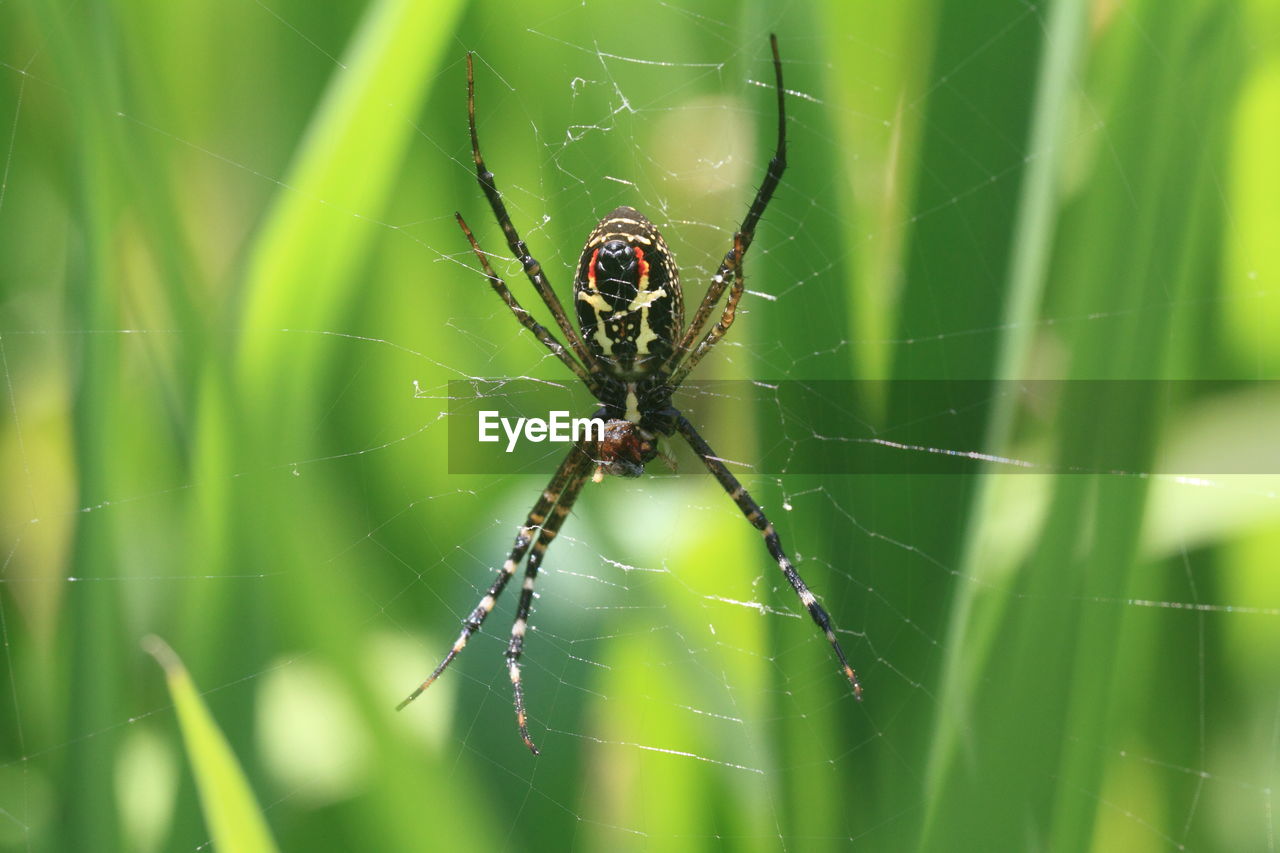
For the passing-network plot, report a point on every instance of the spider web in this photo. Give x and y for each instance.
(678, 691)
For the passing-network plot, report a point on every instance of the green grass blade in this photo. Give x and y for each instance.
(230, 809)
(1028, 271)
(303, 271)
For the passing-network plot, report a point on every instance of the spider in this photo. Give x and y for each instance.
(632, 354)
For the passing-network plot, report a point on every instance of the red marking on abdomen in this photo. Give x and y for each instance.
(591, 269)
(644, 265)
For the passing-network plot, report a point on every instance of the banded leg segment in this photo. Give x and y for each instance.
(717, 331)
(524, 537)
(756, 516)
(516, 646)
(747, 231)
(518, 248)
(526, 319)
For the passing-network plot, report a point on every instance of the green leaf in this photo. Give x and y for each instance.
(230, 809)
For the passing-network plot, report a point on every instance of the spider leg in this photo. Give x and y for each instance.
(717, 331)
(757, 517)
(518, 248)
(516, 646)
(526, 319)
(747, 230)
(572, 464)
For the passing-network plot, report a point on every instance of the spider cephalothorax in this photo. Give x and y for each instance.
(624, 450)
(632, 354)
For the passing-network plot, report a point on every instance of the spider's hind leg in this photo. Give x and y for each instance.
(756, 516)
(569, 470)
(516, 646)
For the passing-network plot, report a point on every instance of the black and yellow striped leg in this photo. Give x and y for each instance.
(568, 470)
(747, 231)
(516, 647)
(548, 339)
(717, 331)
(518, 248)
(757, 517)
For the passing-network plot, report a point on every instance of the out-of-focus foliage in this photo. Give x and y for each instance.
(228, 252)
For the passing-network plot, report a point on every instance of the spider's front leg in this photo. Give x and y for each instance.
(526, 319)
(733, 268)
(756, 516)
(532, 268)
(746, 232)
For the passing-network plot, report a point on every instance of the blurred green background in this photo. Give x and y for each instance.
(232, 293)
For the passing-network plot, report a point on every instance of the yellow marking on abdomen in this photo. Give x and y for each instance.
(633, 404)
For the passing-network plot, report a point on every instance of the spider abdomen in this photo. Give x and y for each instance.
(627, 295)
